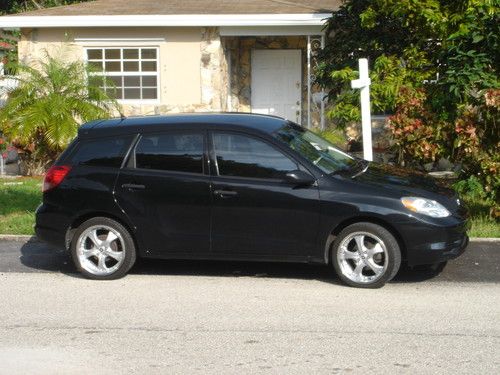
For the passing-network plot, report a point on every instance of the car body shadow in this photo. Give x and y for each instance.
(45, 258)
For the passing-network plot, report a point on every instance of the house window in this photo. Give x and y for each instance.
(131, 73)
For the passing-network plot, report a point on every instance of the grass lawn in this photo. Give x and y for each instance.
(19, 197)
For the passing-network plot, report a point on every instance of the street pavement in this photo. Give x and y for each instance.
(187, 317)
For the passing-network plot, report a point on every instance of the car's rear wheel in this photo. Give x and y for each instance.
(366, 255)
(103, 249)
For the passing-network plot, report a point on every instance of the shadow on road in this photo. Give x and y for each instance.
(43, 258)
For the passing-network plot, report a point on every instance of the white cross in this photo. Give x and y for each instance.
(363, 83)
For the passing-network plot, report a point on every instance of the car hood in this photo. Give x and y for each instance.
(405, 182)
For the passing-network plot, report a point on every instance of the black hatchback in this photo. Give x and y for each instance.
(240, 187)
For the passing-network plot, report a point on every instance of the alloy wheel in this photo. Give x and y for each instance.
(362, 257)
(100, 250)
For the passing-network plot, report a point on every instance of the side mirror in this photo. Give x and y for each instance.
(299, 178)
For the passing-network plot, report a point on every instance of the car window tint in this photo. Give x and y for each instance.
(179, 152)
(103, 152)
(242, 156)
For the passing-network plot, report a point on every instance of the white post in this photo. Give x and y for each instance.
(322, 91)
(2, 168)
(309, 51)
(363, 83)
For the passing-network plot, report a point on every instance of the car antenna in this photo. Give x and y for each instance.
(122, 116)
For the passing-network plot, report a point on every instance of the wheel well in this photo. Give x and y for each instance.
(363, 219)
(81, 219)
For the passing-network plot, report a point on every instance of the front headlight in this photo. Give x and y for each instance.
(425, 206)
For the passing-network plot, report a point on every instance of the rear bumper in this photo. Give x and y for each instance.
(49, 226)
(50, 236)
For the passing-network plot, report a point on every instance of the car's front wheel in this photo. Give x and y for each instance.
(366, 255)
(103, 249)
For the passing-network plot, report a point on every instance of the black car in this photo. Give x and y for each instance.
(240, 187)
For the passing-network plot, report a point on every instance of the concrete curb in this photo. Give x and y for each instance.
(481, 239)
(22, 237)
(18, 237)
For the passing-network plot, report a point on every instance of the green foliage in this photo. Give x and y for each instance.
(388, 75)
(3, 145)
(471, 188)
(335, 136)
(43, 113)
(434, 67)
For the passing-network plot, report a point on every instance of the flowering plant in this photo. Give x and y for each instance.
(3, 145)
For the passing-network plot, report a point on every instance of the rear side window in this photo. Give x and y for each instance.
(177, 152)
(103, 152)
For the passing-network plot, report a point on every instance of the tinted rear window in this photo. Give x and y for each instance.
(177, 152)
(103, 152)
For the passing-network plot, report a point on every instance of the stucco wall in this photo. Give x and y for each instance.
(180, 59)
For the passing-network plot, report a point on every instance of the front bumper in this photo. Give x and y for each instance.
(438, 252)
(434, 242)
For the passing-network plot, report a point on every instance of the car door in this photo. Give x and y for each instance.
(255, 213)
(166, 193)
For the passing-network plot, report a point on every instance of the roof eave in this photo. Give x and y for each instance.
(311, 19)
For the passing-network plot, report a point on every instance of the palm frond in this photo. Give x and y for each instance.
(52, 99)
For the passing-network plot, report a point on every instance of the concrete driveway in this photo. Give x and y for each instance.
(174, 317)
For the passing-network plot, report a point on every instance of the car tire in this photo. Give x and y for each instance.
(365, 255)
(103, 249)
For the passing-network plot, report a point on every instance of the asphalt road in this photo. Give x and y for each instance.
(174, 317)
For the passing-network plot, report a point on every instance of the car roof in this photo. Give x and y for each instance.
(132, 125)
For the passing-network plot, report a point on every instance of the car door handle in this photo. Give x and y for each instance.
(225, 193)
(133, 186)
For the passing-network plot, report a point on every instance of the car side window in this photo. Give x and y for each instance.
(177, 152)
(102, 152)
(243, 156)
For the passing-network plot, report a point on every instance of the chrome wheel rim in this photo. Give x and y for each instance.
(362, 257)
(100, 250)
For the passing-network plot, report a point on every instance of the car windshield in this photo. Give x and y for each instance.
(317, 150)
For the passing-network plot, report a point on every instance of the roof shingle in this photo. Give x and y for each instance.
(174, 7)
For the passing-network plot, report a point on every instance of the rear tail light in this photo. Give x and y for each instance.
(54, 176)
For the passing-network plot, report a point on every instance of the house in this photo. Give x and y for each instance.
(191, 55)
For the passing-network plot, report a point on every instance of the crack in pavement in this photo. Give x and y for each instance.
(95, 329)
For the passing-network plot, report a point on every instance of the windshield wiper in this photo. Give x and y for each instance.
(364, 166)
(359, 167)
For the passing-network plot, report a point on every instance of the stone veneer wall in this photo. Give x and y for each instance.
(214, 70)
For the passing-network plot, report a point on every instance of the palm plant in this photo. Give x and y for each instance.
(43, 113)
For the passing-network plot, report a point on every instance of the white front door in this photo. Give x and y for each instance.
(277, 83)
